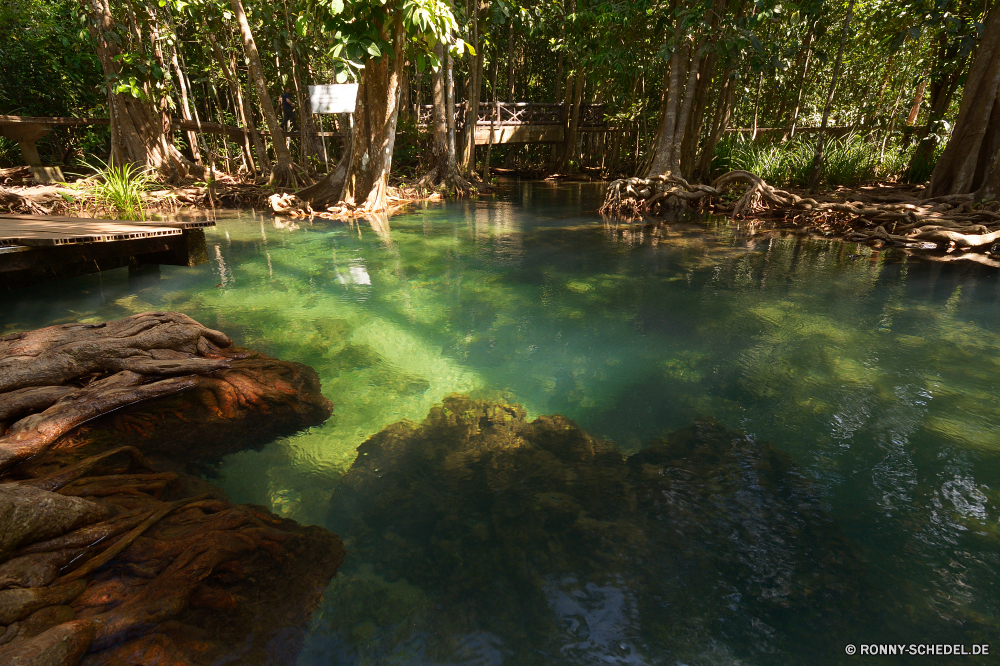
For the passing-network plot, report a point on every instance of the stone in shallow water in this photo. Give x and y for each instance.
(561, 549)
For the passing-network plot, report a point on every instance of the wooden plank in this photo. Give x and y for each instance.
(179, 224)
(15, 120)
(47, 232)
(519, 134)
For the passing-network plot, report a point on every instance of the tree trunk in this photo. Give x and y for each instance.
(756, 104)
(468, 164)
(802, 84)
(246, 113)
(969, 162)
(439, 124)
(569, 141)
(664, 141)
(817, 166)
(444, 162)
(510, 62)
(684, 115)
(375, 117)
(942, 92)
(185, 106)
(918, 99)
(137, 134)
(283, 173)
(689, 149)
(723, 110)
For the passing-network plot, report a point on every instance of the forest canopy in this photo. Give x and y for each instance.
(693, 87)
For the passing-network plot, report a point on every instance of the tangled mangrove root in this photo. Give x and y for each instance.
(13, 202)
(946, 222)
(110, 554)
(54, 379)
(449, 181)
(107, 561)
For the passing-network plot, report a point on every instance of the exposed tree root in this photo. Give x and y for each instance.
(12, 202)
(287, 175)
(54, 379)
(106, 559)
(946, 222)
(447, 180)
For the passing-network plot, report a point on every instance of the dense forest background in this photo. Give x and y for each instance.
(675, 79)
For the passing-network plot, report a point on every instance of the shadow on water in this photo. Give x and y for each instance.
(480, 537)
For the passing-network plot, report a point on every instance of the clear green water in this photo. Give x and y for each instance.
(878, 376)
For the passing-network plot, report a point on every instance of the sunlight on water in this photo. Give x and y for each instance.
(878, 376)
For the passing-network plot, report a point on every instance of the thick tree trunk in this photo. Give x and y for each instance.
(439, 120)
(444, 163)
(375, 124)
(137, 134)
(664, 142)
(684, 116)
(969, 162)
(283, 172)
(817, 166)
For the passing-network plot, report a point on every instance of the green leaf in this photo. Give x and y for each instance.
(342, 76)
(373, 50)
(336, 6)
(301, 25)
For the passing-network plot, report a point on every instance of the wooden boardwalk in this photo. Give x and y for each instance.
(34, 249)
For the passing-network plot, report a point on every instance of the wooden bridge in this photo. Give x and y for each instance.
(521, 122)
(36, 249)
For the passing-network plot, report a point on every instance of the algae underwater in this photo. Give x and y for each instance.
(557, 441)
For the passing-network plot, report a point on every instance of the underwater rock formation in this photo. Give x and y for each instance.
(112, 555)
(562, 550)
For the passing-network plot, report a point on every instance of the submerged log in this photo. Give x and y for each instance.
(111, 554)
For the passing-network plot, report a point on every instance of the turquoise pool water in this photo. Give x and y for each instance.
(876, 375)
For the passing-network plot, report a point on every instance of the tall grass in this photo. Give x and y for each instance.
(119, 189)
(850, 160)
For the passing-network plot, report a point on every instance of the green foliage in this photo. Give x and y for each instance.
(412, 144)
(119, 189)
(848, 161)
(47, 67)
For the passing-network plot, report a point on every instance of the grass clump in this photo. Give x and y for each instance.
(120, 188)
(851, 160)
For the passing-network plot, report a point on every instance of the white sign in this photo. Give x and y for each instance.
(336, 98)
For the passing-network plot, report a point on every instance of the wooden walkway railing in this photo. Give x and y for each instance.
(501, 114)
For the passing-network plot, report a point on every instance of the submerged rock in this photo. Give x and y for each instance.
(551, 546)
